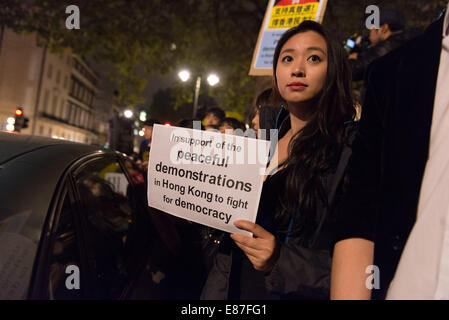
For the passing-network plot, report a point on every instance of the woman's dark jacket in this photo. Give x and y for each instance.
(303, 268)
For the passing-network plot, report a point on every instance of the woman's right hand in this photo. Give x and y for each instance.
(262, 249)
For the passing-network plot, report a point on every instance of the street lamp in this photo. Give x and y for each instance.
(143, 116)
(128, 113)
(184, 75)
(212, 79)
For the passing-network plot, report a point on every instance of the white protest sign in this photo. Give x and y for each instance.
(207, 177)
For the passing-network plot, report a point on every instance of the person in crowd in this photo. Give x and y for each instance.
(263, 100)
(145, 145)
(201, 112)
(214, 116)
(190, 123)
(390, 35)
(289, 255)
(266, 112)
(396, 196)
(229, 125)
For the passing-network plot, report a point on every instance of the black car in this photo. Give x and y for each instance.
(75, 224)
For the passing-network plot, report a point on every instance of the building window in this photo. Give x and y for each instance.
(58, 76)
(77, 90)
(78, 116)
(45, 104)
(72, 86)
(65, 82)
(81, 92)
(89, 117)
(81, 118)
(61, 109)
(72, 114)
(86, 120)
(41, 130)
(55, 105)
(49, 71)
(67, 111)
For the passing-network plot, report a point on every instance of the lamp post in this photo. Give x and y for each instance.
(212, 79)
(197, 93)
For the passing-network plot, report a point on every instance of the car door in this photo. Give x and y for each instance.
(112, 228)
(101, 241)
(94, 239)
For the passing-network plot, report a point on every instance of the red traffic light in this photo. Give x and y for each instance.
(18, 112)
(167, 124)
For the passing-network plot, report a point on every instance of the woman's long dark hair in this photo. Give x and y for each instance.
(314, 150)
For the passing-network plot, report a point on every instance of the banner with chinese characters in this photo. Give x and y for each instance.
(280, 16)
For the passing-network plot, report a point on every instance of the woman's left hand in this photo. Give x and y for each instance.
(262, 250)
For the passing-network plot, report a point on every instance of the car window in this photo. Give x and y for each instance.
(64, 274)
(104, 189)
(135, 174)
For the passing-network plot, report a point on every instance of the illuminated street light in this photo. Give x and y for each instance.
(10, 124)
(212, 79)
(128, 113)
(143, 116)
(184, 75)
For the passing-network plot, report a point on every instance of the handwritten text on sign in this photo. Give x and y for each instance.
(210, 178)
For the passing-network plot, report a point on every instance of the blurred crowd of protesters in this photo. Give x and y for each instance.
(338, 185)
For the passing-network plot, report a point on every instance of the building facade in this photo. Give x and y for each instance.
(55, 90)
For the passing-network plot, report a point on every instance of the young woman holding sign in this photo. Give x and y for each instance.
(289, 255)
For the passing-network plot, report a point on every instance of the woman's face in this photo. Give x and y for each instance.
(147, 132)
(301, 68)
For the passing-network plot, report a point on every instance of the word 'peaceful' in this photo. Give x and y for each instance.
(201, 158)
